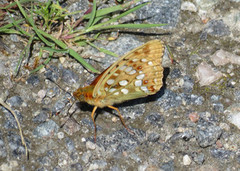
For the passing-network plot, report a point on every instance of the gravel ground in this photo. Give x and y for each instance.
(192, 123)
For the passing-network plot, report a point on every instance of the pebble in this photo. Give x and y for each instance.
(3, 152)
(168, 166)
(33, 80)
(60, 135)
(206, 74)
(187, 160)
(221, 57)
(221, 153)
(156, 119)
(207, 133)
(90, 145)
(199, 158)
(15, 101)
(215, 28)
(69, 77)
(10, 121)
(46, 129)
(11, 165)
(169, 12)
(70, 144)
(41, 115)
(86, 156)
(97, 164)
(15, 144)
(77, 167)
(41, 94)
(52, 73)
(233, 114)
(188, 6)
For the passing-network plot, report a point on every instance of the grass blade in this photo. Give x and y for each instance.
(93, 14)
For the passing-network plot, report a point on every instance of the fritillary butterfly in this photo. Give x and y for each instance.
(137, 74)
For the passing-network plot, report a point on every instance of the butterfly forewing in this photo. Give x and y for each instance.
(137, 74)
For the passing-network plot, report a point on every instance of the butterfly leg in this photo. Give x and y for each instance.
(95, 127)
(121, 118)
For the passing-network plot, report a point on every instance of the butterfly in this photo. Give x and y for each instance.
(137, 74)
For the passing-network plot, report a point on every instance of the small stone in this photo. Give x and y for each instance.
(86, 156)
(188, 6)
(222, 57)
(33, 80)
(90, 145)
(215, 28)
(46, 129)
(221, 153)
(207, 133)
(114, 119)
(153, 137)
(224, 126)
(156, 119)
(76, 166)
(233, 114)
(186, 160)
(97, 164)
(199, 158)
(52, 73)
(62, 59)
(60, 135)
(70, 144)
(41, 115)
(42, 94)
(206, 74)
(208, 168)
(15, 101)
(11, 165)
(69, 77)
(219, 144)
(194, 117)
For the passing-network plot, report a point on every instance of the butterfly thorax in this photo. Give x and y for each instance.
(85, 94)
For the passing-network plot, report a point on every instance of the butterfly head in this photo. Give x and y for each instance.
(83, 93)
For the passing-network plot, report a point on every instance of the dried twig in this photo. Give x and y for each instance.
(19, 126)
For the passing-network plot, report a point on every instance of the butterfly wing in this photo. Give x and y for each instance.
(137, 74)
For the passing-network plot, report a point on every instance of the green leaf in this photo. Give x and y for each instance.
(93, 14)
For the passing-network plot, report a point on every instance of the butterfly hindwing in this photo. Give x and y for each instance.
(137, 74)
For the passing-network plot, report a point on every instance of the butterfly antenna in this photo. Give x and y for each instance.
(70, 116)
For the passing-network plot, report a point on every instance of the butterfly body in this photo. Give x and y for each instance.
(137, 74)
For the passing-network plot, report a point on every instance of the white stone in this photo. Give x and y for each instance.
(233, 114)
(186, 160)
(188, 6)
(60, 135)
(222, 57)
(90, 145)
(206, 74)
